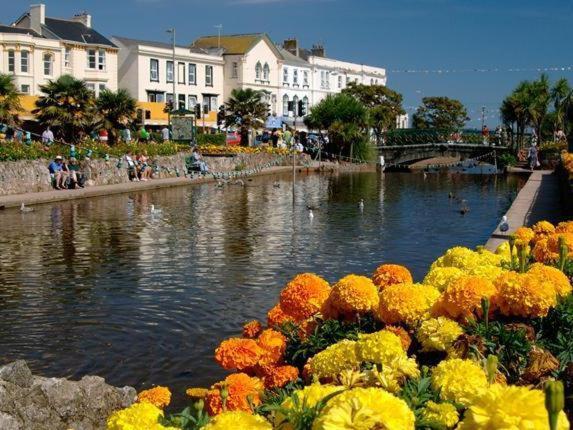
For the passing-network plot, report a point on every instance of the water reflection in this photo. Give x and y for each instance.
(106, 286)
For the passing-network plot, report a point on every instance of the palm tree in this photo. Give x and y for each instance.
(560, 95)
(115, 110)
(538, 103)
(67, 104)
(247, 110)
(9, 101)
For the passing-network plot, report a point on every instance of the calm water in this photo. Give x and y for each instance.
(103, 286)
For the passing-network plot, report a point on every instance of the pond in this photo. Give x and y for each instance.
(107, 286)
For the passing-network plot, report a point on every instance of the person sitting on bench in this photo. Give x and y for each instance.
(131, 167)
(77, 178)
(198, 163)
(57, 172)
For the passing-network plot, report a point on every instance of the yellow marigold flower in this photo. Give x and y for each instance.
(238, 420)
(278, 376)
(441, 277)
(308, 396)
(524, 295)
(197, 393)
(277, 317)
(444, 414)
(334, 359)
(564, 227)
(458, 256)
(304, 296)
(354, 294)
(390, 274)
(488, 258)
(486, 271)
(402, 334)
(543, 229)
(365, 408)
(556, 277)
(459, 380)
(139, 416)
(438, 334)
(238, 354)
(273, 345)
(524, 236)
(157, 396)
(243, 391)
(463, 297)
(407, 303)
(509, 407)
(252, 329)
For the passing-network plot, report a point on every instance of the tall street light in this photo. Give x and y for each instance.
(172, 32)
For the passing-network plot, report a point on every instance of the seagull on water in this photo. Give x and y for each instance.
(361, 205)
(310, 214)
(154, 210)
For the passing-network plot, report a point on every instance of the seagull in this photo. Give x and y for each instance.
(239, 182)
(155, 211)
(464, 209)
(276, 184)
(361, 205)
(425, 175)
(310, 214)
(503, 225)
(25, 209)
(451, 195)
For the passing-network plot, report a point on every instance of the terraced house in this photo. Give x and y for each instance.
(147, 71)
(36, 48)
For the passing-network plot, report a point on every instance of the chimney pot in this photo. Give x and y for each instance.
(83, 17)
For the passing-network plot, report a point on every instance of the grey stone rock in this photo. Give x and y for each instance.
(58, 403)
(18, 373)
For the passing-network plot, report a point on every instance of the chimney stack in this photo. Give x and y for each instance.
(318, 50)
(83, 17)
(37, 17)
(291, 45)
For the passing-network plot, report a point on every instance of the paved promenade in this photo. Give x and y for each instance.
(538, 200)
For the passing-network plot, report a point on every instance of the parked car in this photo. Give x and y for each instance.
(233, 138)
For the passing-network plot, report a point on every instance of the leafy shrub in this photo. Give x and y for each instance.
(218, 139)
(506, 159)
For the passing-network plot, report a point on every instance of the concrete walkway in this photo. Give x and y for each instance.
(538, 200)
(29, 199)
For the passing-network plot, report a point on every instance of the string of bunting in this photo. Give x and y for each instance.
(405, 164)
(486, 70)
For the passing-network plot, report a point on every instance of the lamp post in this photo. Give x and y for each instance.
(172, 32)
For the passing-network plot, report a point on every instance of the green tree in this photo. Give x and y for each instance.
(515, 114)
(383, 105)
(115, 110)
(9, 101)
(68, 105)
(247, 111)
(440, 113)
(538, 102)
(560, 95)
(346, 120)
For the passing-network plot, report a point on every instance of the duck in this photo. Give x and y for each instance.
(239, 182)
(451, 195)
(276, 184)
(25, 209)
(155, 211)
(464, 209)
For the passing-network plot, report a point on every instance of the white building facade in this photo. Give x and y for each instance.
(147, 71)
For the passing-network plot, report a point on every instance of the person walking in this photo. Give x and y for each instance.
(47, 137)
(533, 156)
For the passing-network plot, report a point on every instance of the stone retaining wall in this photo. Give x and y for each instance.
(31, 176)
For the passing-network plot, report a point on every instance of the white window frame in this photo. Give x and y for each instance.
(192, 100)
(192, 73)
(235, 70)
(11, 61)
(101, 60)
(285, 105)
(48, 60)
(25, 91)
(339, 81)
(169, 71)
(285, 75)
(181, 72)
(24, 61)
(258, 71)
(91, 86)
(92, 59)
(305, 103)
(153, 70)
(266, 72)
(209, 79)
(295, 77)
(305, 78)
(67, 57)
(295, 106)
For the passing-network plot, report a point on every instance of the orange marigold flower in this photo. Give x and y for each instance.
(304, 296)
(524, 235)
(541, 252)
(252, 329)
(524, 295)
(407, 303)
(238, 354)
(402, 334)
(564, 227)
(277, 317)
(243, 392)
(157, 396)
(273, 344)
(278, 376)
(391, 274)
(542, 229)
(197, 393)
(554, 276)
(462, 298)
(354, 294)
(547, 250)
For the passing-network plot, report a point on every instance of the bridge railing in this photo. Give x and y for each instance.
(407, 137)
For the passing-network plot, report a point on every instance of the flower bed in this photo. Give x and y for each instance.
(233, 150)
(484, 342)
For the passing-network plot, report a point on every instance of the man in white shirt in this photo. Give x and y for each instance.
(165, 133)
(47, 136)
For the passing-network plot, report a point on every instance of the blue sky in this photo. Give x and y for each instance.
(396, 34)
